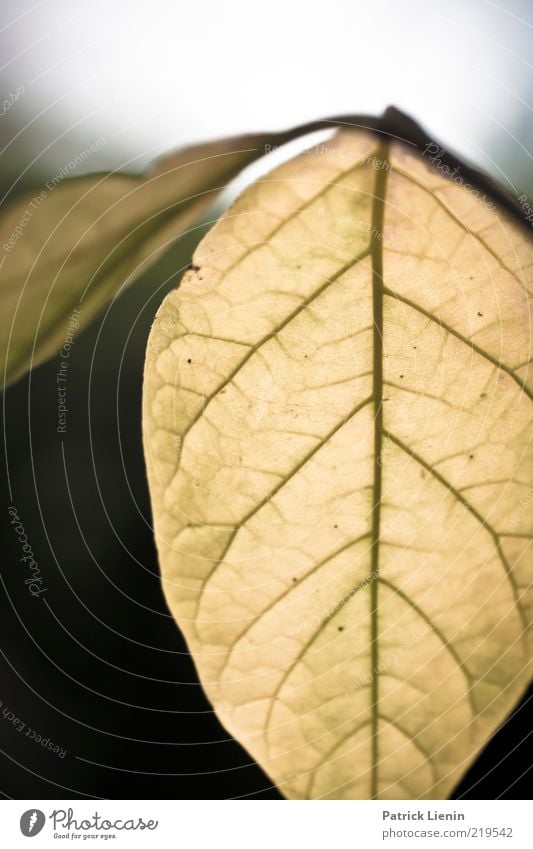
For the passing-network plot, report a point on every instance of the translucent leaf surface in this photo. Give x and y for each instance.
(337, 415)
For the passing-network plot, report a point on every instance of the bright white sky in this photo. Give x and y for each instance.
(149, 76)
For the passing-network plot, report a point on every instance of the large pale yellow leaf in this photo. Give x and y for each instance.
(337, 417)
(76, 243)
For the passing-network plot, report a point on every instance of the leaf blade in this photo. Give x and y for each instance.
(79, 242)
(273, 472)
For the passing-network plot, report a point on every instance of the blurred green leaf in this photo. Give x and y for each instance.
(77, 243)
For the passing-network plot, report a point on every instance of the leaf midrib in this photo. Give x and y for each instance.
(376, 253)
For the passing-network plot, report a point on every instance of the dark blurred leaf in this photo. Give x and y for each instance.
(78, 242)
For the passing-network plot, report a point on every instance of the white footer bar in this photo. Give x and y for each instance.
(248, 824)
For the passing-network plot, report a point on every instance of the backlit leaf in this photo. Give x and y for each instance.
(337, 415)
